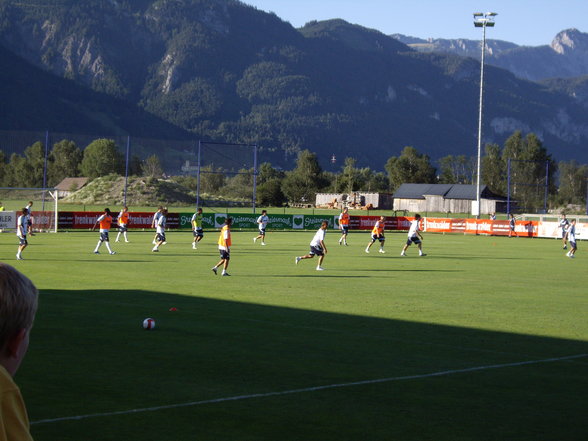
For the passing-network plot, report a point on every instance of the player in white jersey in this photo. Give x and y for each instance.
(21, 232)
(154, 221)
(30, 218)
(564, 224)
(571, 237)
(262, 224)
(160, 228)
(317, 246)
(414, 236)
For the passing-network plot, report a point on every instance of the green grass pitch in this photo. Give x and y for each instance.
(483, 339)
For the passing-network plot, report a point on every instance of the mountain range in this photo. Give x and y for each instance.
(220, 70)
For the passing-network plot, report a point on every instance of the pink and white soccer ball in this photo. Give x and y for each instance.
(149, 324)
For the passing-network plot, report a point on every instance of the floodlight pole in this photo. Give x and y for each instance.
(127, 169)
(481, 20)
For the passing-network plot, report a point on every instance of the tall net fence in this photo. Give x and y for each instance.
(527, 186)
(226, 174)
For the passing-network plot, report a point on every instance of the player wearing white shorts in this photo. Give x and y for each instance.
(571, 237)
(414, 236)
(564, 225)
(160, 228)
(21, 233)
(317, 247)
(262, 224)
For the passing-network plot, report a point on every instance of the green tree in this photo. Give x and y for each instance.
(101, 158)
(494, 169)
(302, 183)
(240, 185)
(572, 182)
(350, 177)
(151, 167)
(3, 167)
(457, 169)
(16, 171)
(267, 173)
(410, 167)
(32, 171)
(65, 159)
(531, 169)
(270, 194)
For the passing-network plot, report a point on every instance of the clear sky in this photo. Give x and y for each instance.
(524, 22)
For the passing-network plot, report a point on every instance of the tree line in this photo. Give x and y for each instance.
(531, 168)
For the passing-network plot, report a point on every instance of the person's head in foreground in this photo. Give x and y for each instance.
(18, 305)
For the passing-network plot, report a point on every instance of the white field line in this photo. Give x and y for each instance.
(308, 389)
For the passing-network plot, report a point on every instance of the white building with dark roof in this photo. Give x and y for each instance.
(446, 198)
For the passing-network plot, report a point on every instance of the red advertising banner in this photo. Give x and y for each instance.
(480, 226)
(368, 222)
(87, 219)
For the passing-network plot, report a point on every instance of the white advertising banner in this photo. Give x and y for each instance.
(8, 220)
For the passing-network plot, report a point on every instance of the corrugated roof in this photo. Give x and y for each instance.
(448, 191)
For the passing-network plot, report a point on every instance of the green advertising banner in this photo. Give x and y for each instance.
(249, 221)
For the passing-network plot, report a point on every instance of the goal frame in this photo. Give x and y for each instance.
(53, 192)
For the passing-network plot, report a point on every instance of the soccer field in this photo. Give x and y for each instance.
(485, 338)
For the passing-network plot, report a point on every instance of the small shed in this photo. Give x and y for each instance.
(446, 198)
(70, 185)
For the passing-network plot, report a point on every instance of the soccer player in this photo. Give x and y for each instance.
(197, 227)
(378, 234)
(105, 220)
(262, 224)
(344, 226)
(317, 247)
(30, 219)
(123, 223)
(414, 236)
(18, 306)
(156, 216)
(512, 222)
(564, 225)
(21, 233)
(160, 228)
(571, 237)
(224, 247)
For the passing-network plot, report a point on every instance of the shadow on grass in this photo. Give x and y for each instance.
(241, 371)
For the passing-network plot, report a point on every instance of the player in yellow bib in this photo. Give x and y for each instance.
(378, 234)
(123, 223)
(224, 247)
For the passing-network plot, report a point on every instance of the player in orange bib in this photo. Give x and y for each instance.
(224, 247)
(344, 226)
(105, 220)
(123, 223)
(378, 234)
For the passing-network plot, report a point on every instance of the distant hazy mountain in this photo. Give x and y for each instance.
(566, 57)
(225, 71)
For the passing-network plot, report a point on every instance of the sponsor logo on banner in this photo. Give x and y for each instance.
(298, 221)
(219, 220)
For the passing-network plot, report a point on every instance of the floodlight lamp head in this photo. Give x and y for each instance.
(491, 14)
(478, 14)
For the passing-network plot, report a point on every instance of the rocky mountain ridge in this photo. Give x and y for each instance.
(565, 57)
(225, 71)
